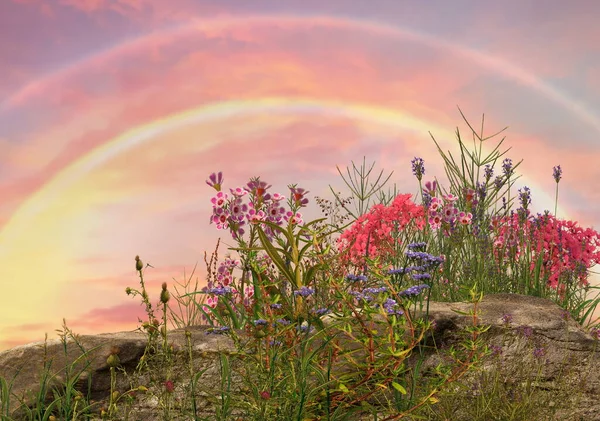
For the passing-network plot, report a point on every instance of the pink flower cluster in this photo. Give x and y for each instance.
(445, 213)
(567, 249)
(230, 211)
(372, 231)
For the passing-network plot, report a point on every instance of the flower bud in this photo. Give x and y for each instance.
(142, 388)
(164, 295)
(115, 395)
(128, 291)
(138, 263)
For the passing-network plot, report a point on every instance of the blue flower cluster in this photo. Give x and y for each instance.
(414, 290)
(218, 330)
(260, 322)
(356, 278)
(304, 291)
(220, 290)
(390, 307)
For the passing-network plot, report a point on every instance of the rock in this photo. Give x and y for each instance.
(568, 380)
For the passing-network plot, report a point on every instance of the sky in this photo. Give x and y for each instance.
(114, 112)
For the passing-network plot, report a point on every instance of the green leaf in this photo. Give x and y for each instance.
(399, 388)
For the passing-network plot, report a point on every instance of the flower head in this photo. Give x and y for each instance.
(507, 167)
(557, 173)
(215, 180)
(418, 167)
(488, 172)
(297, 196)
(304, 291)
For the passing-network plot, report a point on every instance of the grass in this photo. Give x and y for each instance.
(329, 318)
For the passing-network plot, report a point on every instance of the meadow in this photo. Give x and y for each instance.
(330, 317)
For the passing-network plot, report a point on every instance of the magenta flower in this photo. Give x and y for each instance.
(219, 200)
(293, 218)
(298, 196)
(238, 192)
(431, 187)
(215, 180)
(258, 188)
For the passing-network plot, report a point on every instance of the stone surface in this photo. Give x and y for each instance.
(570, 359)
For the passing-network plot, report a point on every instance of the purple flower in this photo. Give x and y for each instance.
(417, 246)
(215, 180)
(526, 331)
(421, 276)
(414, 290)
(220, 290)
(507, 319)
(390, 307)
(507, 167)
(525, 197)
(488, 172)
(496, 350)
(297, 196)
(284, 322)
(321, 311)
(539, 352)
(418, 167)
(304, 291)
(557, 173)
(218, 330)
(260, 322)
(356, 278)
(276, 306)
(498, 182)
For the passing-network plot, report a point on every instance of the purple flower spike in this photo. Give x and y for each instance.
(418, 167)
(557, 173)
(215, 180)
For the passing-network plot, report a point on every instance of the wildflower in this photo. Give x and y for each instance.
(218, 330)
(304, 291)
(525, 197)
(284, 322)
(498, 182)
(526, 331)
(507, 319)
(507, 167)
(169, 386)
(557, 173)
(400, 271)
(215, 180)
(421, 276)
(431, 187)
(260, 322)
(292, 218)
(390, 307)
(539, 352)
(418, 167)
(265, 395)
(276, 306)
(496, 350)
(488, 172)
(414, 290)
(164, 295)
(274, 342)
(356, 278)
(220, 290)
(277, 197)
(321, 311)
(416, 246)
(595, 332)
(298, 196)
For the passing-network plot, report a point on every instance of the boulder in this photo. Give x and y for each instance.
(525, 333)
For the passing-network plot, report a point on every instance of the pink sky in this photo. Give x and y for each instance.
(114, 112)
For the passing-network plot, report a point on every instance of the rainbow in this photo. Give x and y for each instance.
(488, 61)
(204, 114)
(208, 113)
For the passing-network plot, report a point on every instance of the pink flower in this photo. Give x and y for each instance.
(215, 180)
(220, 200)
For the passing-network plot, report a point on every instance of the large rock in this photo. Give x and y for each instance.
(538, 335)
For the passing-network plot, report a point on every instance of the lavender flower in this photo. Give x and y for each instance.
(400, 271)
(498, 182)
(557, 173)
(507, 167)
(260, 322)
(304, 291)
(276, 306)
(284, 322)
(539, 352)
(488, 172)
(525, 197)
(418, 167)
